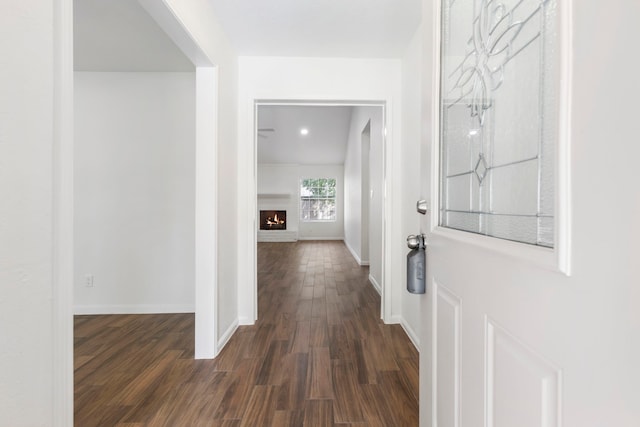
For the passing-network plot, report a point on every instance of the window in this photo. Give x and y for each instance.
(499, 93)
(318, 199)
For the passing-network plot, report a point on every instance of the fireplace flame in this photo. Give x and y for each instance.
(275, 220)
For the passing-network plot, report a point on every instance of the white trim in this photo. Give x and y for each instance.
(559, 258)
(429, 375)
(396, 319)
(415, 340)
(376, 286)
(563, 225)
(226, 336)
(391, 210)
(530, 254)
(435, 118)
(251, 177)
(81, 310)
(274, 195)
(385, 294)
(353, 252)
(62, 221)
(206, 268)
(245, 321)
(321, 238)
(206, 255)
(355, 255)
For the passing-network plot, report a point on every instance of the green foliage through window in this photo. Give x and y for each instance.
(318, 199)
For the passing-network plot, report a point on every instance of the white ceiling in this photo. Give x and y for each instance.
(326, 142)
(119, 35)
(344, 28)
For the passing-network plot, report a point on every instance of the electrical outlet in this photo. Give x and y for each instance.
(88, 280)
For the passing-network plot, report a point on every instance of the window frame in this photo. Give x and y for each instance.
(558, 258)
(302, 199)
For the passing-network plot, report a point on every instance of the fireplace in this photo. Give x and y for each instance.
(273, 220)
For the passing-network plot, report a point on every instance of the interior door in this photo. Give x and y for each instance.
(498, 329)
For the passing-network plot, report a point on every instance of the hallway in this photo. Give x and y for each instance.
(317, 356)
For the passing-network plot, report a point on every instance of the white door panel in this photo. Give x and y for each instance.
(508, 338)
(521, 388)
(446, 354)
(491, 323)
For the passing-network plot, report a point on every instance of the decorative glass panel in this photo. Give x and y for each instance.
(498, 118)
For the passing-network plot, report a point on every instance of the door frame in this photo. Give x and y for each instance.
(251, 176)
(365, 188)
(62, 204)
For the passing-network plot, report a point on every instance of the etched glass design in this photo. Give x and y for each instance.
(498, 114)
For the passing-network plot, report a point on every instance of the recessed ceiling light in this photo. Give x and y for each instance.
(304, 131)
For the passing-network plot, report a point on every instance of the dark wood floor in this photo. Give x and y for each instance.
(318, 356)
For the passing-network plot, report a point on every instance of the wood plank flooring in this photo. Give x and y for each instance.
(318, 356)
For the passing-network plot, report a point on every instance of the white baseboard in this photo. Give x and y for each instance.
(134, 309)
(355, 255)
(413, 337)
(277, 236)
(411, 334)
(395, 319)
(245, 321)
(320, 238)
(224, 339)
(376, 285)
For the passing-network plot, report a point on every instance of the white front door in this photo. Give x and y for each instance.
(509, 338)
(500, 333)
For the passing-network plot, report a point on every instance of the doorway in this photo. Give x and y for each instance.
(338, 145)
(206, 83)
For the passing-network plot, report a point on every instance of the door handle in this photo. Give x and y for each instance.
(414, 241)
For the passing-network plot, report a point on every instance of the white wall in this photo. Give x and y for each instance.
(318, 79)
(276, 180)
(599, 351)
(26, 218)
(354, 194)
(31, 351)
(200, 20)
(411, 183)
(134, 192)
